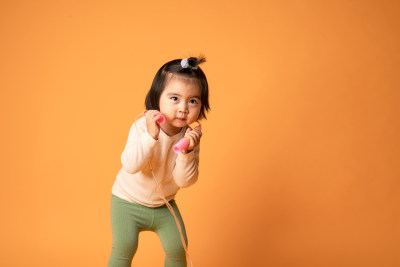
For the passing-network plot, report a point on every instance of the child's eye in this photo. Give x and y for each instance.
(174, 97)
(194, 101)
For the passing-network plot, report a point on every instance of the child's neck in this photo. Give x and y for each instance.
(169, 129)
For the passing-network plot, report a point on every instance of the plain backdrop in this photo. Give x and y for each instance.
(299, 161)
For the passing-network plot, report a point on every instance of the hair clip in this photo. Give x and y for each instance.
(185, 64)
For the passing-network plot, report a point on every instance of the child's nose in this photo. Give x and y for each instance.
(183, 107)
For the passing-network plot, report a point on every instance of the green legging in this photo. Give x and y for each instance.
(129, 219)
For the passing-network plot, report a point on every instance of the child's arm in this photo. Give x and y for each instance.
(186, 170)
(138, 148)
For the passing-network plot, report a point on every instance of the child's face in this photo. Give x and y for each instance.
(180, 99)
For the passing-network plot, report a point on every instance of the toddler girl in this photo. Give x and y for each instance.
(152, 172)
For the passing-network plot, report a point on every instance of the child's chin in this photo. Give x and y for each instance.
(180, 123)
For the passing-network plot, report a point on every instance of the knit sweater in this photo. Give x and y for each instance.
(135, 182)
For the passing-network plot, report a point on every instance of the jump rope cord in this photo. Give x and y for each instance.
(173, 213)
(168, 205)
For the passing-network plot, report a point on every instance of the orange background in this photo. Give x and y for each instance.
(299, 162)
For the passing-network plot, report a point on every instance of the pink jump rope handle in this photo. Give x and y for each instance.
(160, 120)
(184, 142)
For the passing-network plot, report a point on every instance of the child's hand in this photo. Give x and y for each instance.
(153, 128)
(194, 135)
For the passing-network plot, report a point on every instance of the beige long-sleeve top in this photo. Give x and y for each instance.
(135, 182)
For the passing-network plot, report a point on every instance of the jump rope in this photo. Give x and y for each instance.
(178, 147)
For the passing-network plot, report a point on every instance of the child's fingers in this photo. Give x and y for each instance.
(153, 115)
(195, 131)
(196, 134)
(199, 133)
(157, 116)
(197, 138)
(152, 112)
(191, 143)
(194, 138)
(149, 114)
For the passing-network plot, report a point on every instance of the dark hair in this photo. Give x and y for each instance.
(172, 68)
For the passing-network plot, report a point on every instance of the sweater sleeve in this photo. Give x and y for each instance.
(186, 170)
(138, 148)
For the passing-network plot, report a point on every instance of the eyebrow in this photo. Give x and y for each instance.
(195, 96)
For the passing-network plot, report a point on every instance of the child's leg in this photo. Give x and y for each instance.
(167, 230)
(127, 220)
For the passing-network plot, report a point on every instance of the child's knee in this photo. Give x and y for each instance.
(175, 251)
(175, 258)
(124, 249)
